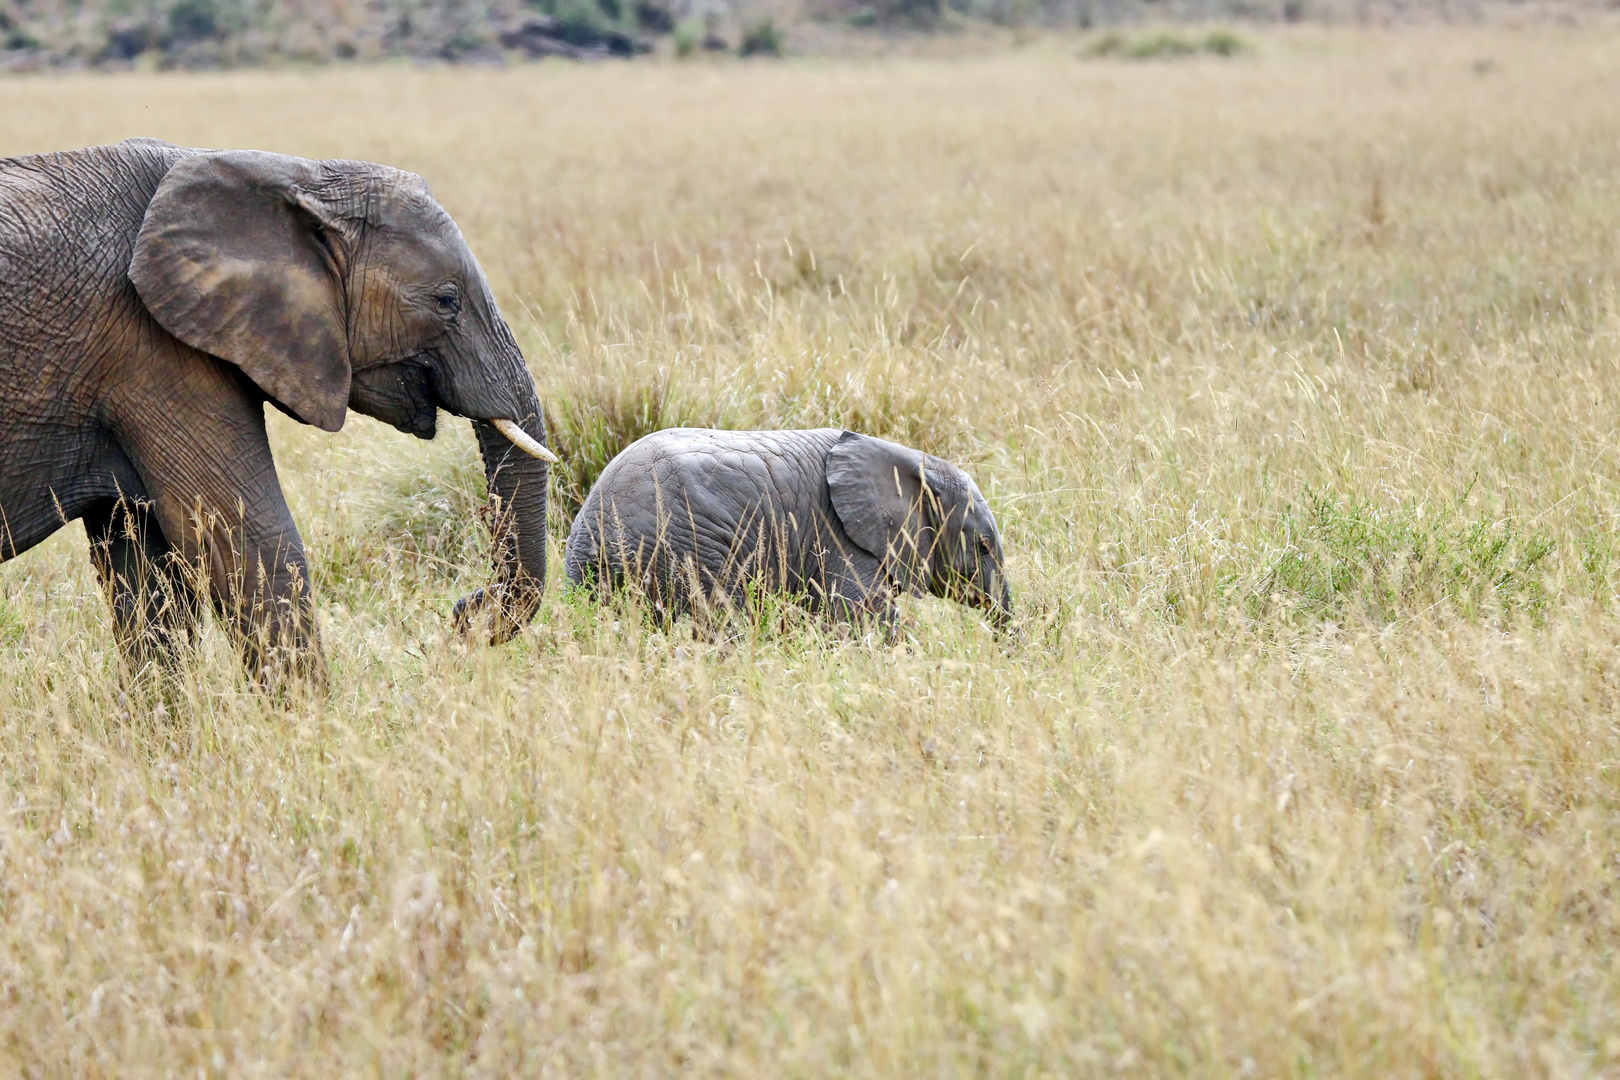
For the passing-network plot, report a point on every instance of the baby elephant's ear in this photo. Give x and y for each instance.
(235, 258)
(877, 490)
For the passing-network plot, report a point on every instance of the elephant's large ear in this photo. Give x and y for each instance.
(238, 257)
(877, 488)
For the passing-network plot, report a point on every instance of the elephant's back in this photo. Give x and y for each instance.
(694, 491)
(46, 195)
(714, 459)
(69, 222)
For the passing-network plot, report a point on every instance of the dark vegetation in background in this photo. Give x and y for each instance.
(925, 15)
(39, 34)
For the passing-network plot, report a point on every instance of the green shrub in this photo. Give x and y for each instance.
(1223, 43)
(686, 39)
(762, 39)
(1166, 44)
(194, 20)
(582, 22)
(588, 428)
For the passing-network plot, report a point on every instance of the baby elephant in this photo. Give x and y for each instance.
(838, 519)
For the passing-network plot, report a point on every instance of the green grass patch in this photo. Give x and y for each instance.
(1337, 557)
(12, 626)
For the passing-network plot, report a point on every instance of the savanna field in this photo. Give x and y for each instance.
(1293, 378)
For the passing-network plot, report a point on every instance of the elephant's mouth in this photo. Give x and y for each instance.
(993, 598)
(510, 429)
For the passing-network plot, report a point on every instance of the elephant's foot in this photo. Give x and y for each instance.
(283, 663)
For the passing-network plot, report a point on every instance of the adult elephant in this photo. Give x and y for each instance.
(154, 298)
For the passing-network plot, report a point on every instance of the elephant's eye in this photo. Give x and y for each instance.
(984, 543)
(448, 303)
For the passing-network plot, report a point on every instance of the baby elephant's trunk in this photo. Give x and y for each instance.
(985, 588)
(1001, 613)
(997, 600)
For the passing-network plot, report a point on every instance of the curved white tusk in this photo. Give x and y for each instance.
(522, 440)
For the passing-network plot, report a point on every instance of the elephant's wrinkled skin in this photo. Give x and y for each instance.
(838, 518)
(153, 298)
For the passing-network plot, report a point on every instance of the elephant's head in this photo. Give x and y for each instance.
(342, 284)
(924, 517)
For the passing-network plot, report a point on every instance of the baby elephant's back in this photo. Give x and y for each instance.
(715, 497)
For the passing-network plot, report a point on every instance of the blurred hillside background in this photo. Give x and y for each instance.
(56, 34)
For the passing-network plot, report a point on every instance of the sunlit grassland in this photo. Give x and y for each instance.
(1293, 379)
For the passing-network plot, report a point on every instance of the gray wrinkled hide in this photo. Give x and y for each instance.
(691, 513)
(692, 509)
(154, 299)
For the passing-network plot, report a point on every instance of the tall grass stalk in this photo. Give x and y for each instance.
(1293, 382)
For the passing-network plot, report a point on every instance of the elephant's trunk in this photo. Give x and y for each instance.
(1002, 611)
(517, 490)
(989, 591)
(483, 377)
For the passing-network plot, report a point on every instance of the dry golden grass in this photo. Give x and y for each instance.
(1294, 381)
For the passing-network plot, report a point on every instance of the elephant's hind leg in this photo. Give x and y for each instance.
(155, 609)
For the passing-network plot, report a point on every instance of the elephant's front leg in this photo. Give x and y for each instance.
(218, 500)
(155, 609)
(849, 585)
(850, 599)
(259, 584)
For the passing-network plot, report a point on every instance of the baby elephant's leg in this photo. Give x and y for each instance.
(848, 591)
